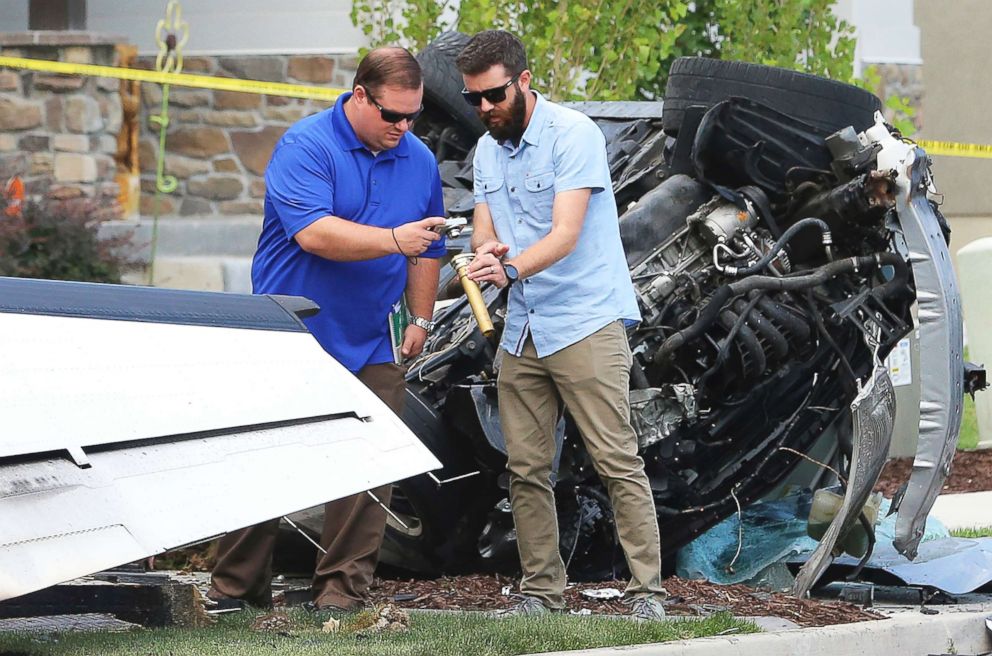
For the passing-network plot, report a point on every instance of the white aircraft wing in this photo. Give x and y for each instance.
(135, 420)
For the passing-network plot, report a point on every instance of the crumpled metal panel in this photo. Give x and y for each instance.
(873, 412)
(941, 340)
(941, 357)
(952, 565)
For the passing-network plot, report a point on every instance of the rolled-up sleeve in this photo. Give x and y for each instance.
(580, 159)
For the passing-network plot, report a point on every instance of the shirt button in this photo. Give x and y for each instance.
(513, 189)
(532, 311)
(527, 281)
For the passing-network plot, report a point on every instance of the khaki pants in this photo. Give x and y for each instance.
(591, 378)
(352, 533)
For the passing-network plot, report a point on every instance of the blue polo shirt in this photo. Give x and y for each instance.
(319, 168)
(560, 150)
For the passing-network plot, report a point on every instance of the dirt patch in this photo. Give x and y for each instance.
(485, 592)
(971, 471)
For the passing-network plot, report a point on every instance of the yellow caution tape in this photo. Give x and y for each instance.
(954, 149)
(178, 79)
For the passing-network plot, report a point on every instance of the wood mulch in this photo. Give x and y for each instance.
(971, 471)
(485, 592)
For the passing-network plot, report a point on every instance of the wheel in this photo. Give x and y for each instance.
(432, 535)
(823, 103)
(443, 83)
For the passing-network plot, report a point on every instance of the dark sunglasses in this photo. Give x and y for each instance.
(495, 95)
(389, 116)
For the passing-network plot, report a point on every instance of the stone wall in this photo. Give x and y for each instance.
(59, 133)
(906, 81)
(218, 143)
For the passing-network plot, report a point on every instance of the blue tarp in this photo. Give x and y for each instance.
(773, 532)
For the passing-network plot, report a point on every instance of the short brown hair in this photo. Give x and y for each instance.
(489, 48)
(388, 66)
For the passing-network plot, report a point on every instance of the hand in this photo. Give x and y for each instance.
(486, 266)
(499, 249)
(413, 341)
(415, 237)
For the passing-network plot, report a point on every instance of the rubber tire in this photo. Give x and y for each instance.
(443, 83)
(823, 103)
(438, 510)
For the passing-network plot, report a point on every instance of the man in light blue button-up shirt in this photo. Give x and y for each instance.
(546, 224)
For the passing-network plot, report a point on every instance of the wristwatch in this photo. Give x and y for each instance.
(512, 275)
(421, 322)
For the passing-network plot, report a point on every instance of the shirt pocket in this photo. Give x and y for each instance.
(488, 185)
(540, 186)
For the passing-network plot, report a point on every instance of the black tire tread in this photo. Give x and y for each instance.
(823, 103)
(443, 82)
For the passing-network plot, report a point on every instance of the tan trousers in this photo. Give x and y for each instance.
(352, 533)
(591, 378)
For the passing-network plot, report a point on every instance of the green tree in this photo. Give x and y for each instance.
(586, 49)
(803, 35)
(579, 49)
(622, 49)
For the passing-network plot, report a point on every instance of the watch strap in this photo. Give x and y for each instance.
(421, 322)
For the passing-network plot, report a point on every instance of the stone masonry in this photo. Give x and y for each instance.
(218, 143)
(906, 81)
(59, 133)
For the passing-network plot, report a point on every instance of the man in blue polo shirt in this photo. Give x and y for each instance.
(351, 203)
(546, 224)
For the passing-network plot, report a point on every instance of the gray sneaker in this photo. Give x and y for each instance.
(646, 608)
(526, 606)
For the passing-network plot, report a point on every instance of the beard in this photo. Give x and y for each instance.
(512, 123)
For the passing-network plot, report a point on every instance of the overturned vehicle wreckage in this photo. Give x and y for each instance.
(778, 233)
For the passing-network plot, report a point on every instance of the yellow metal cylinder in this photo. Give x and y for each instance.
(474, 294)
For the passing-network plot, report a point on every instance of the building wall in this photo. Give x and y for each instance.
(218, 143)
(219, 26)
(955, 108)
(59, 133)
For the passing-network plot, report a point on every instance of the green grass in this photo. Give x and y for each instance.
(968, 439)
(429, 635)
(973, 532)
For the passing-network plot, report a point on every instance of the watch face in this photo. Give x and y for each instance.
(511, 272)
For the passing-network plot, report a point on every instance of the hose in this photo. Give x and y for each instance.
(711, 311)
(721, 355)
(761, 325)
(796, 327)
(782, 241)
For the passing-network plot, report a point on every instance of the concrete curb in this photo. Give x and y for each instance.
(904, 635)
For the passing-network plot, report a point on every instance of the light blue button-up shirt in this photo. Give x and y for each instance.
(561, 150)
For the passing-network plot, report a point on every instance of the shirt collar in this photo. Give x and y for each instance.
(535, 127)
(350, 141)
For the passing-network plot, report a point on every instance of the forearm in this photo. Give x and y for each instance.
(345, 241)
(554, 246)
(482, 227)
(421, 286)
(568, 215)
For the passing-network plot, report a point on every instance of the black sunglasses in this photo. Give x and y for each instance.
(389, 116)
(495, 95)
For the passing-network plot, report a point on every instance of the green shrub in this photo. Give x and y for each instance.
(60, 242)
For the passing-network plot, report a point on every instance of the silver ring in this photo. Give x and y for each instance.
(492, 269)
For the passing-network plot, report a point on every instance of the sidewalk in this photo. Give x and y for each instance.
(904, 634)
(969, 510)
